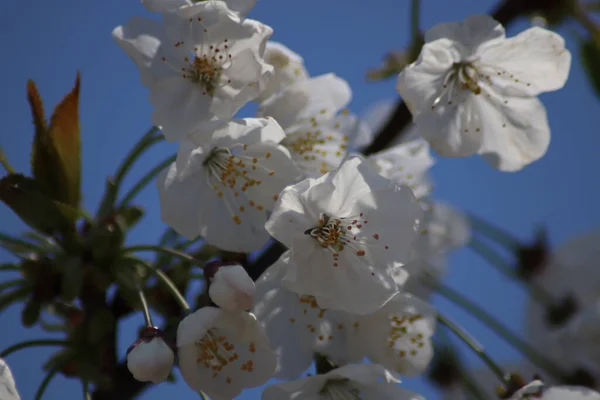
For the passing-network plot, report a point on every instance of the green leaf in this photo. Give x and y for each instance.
(24, 196)
(31, 312)
(109, 199)
(56, 149)
(590, 58)
(71, 269)
(65, 136)
(131, 215)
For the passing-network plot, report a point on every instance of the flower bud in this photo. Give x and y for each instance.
(231, 288)
(150, 359)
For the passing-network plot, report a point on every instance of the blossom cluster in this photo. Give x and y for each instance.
(364, 238)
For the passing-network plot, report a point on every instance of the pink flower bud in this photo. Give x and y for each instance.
(231, 288)
(150, 359)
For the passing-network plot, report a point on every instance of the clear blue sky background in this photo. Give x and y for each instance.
(49, 40)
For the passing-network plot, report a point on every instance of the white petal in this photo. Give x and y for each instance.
(473, 35)
(530, 63)
(8, 389)
(454, 130)
(291, 216)
(151, 361)
(231, 288)
(515, 134)
(241, 6)
(142, 38)
(193, 208)
(421, 83)
(292, 322)
(320, 98)
(244, 357)
(163, 5)
(288, 68)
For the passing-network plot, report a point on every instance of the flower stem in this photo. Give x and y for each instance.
(163, 250)
(415, 8)
(45, 383)
(477, 348)
(146, 179)
(86, 390)
(144, 143)
(4, 162)
(9, 284)
(498, 262)
(32, 343)
(494, 232)
(499, 328)
(168, 283)
(145, 309)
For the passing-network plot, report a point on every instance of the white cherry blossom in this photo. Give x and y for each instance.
(580, 337)
(8, 389)
(397, 336)
(203, 63)
(353, 381)
(572, 277)
(223, 190)
(407, 163)
(536, 390)
(288, 68)
(222, 352)
(444, 229)
(240, 6)
(295, 324)
(231, 288)
(472, 90)
(317, 130)
(150, 359)
(346, 232)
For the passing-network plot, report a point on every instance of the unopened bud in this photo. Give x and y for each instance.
(231, 287)
(150, 359)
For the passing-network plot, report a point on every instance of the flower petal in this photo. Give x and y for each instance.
(515, 134)
(530, 63)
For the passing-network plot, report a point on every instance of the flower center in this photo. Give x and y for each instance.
(335, 234)
(203, 64)
(402, 337)
(468, 76)
(215, 351)
(462, 76)
(231, 175)
(340, 389)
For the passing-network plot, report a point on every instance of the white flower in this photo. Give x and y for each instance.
(537, 391)
(407, 163)
(444, 229)
(353, 381)
(222, 352)
(317, 136)
(203, 64)
(150, 359)
(397, 336)
(288, 66)
(231, 288)
(346, 232)
(240, 6)
(223, 190)
(295, 325)
(472, 90)
(572, 278)
(579, 339)
(8, 389)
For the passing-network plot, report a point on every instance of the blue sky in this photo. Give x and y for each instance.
(49, 41)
